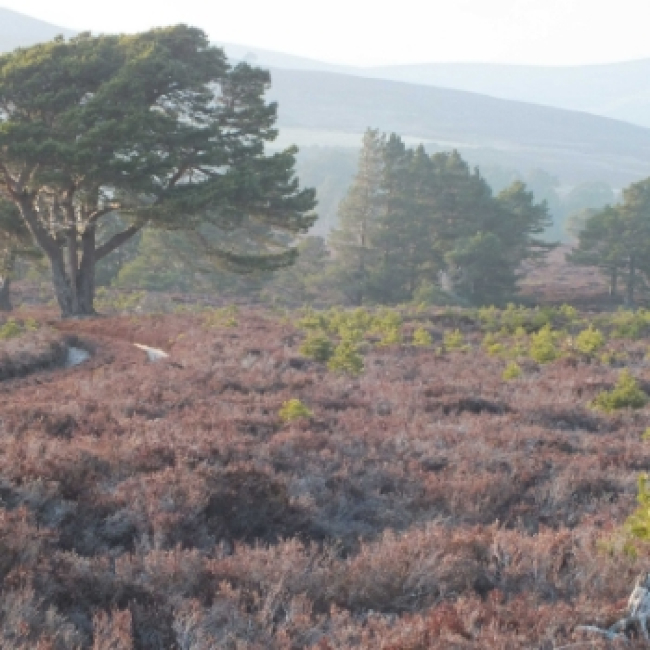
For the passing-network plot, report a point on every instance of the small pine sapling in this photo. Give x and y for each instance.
(318, 347)
(346, 358)
(589, 341)
(543, 348)
(422, 338)
(512, 371)
(626, 394)
(294, 409)
(455, 341)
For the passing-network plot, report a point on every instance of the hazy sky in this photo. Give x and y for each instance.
(366, 32)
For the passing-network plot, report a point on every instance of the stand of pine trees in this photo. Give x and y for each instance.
(616, 239)
(413, 221)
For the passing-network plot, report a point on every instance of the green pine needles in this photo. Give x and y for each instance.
(317, 346)
(589, 341)
(422, 338)
(294, 409)
(512, 371)
(543, 345)
(346, 358)
(626, 394)
(13, 328)
(638, 523)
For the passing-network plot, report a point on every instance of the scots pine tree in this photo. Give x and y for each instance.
(353, 242)
(617, 240)
(156, 127)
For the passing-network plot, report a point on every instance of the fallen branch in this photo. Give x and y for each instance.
(638, 612)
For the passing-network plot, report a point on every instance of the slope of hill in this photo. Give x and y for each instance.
(327, 108)
(617, 90)
(269, 58)
(18, 30)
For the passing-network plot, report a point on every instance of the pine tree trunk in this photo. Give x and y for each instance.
(75, 298)
(629, 296)
(74, 282)
(5, 294)
(613, 282)
(61, 285)
(86, 274)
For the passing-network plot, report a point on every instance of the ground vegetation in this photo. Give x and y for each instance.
(242, 494)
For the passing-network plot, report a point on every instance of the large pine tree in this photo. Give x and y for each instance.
(157, 127)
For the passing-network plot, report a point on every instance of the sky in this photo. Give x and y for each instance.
(372, 32)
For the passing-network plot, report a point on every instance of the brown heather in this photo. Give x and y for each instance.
(425, 504)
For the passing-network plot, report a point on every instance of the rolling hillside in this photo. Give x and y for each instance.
(617, 90)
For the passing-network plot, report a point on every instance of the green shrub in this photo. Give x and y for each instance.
(638, 523)
(612, 358)
(387, 320)
(543, 348)
(454, 341)
(346, 358)
(489, 318)
(489, 340)
(294, 409)
(492, 345)
(11, 329)
(569, 312)
(630, 324)
(313, 321)
(318, 347)
(626, 394)
(422, 338)
(512, 371)
(391, 337)
(589, 341)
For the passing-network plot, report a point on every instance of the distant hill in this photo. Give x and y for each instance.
(18, 30)
(333, 109)
(271, 59)
(618, 90)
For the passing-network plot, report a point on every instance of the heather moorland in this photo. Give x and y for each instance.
(450, 482)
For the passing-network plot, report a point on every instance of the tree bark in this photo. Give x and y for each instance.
(61, 284)
(613, 282)
(629, 294)
(74, 281)
(73, 266)
(86, 272)
(5, 294)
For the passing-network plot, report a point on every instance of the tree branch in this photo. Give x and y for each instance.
(115, 242)
(9, 182)
(98, 214)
